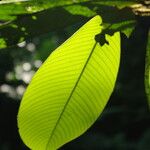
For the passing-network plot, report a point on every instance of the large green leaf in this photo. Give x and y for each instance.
(70, 90)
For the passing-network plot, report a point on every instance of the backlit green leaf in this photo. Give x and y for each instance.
(70, 90)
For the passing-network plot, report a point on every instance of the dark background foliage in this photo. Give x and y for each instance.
(125, 122)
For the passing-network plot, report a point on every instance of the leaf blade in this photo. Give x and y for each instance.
(63, 78)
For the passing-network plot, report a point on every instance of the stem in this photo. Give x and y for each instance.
(147, 69)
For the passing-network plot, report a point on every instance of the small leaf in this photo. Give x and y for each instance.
(2, 43)
(70, 90)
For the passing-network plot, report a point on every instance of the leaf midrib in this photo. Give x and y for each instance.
(63, 110)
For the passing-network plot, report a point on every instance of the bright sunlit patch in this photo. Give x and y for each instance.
(22, 44)
(31, 47)
(5, 88)
(37, 63)
(27, 76)
(20, 90)
(12, 1)
(26, 66)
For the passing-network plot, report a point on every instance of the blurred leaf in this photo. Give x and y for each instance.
(17, 7)
(68, 13)
(28, 26)
(113, 18)
(147, 70)
(2, 43)
(80, 10)
(125, 27)
(118, 3)
(70, 90)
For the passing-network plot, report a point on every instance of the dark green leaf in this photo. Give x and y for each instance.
(70, 12)
(32, 25)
